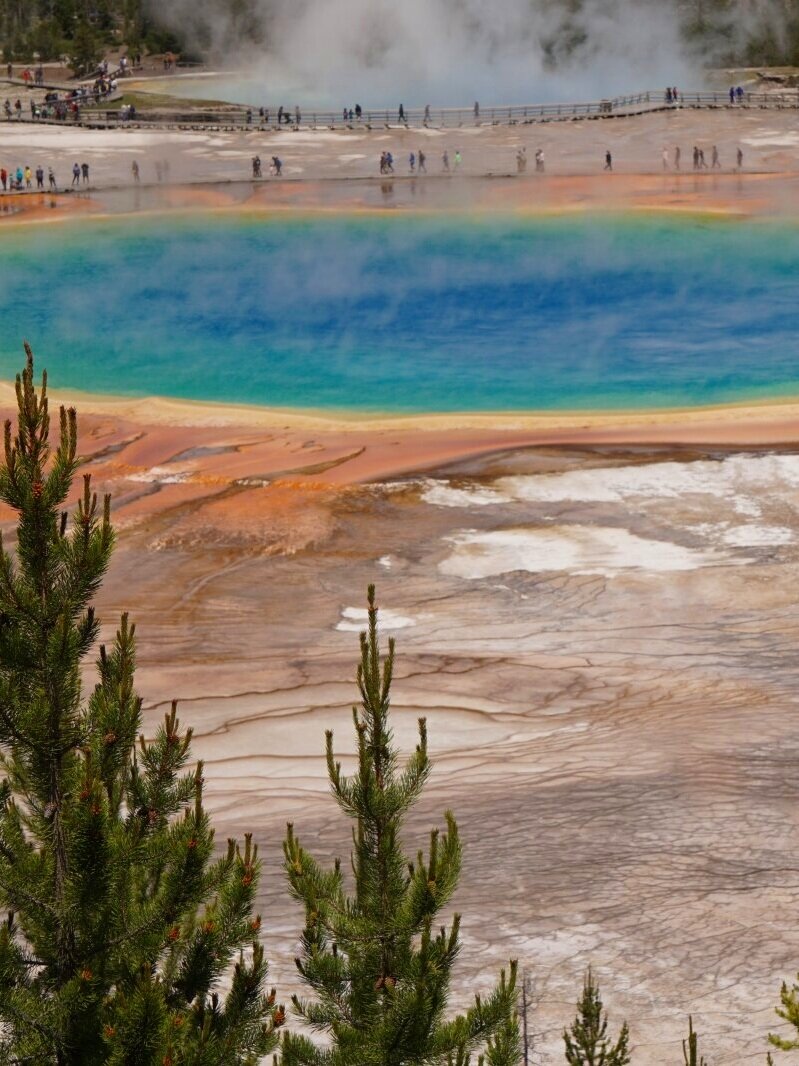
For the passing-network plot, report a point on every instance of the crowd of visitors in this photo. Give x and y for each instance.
(30, 77)
(62, 106)
(736, 95)
(417, 162)
(275, 167)
(22, 178)
(674, 162)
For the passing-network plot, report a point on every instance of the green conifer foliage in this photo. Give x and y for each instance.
(789, 1012)
(690, 1047)
(379, 973)
(587, 1042)
(121, 922)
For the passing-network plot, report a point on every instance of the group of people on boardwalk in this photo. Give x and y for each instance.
(21, 179)
(698, 158)
(521, 160)
(30, 77)
(57, 105)
(417, 162)
(275, 167)
(80, 171)
(672, 95)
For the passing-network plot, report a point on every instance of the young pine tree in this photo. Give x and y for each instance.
(121, 922)
(789, 1012)
(587, 1042)
(690, 1047)
(379, 974)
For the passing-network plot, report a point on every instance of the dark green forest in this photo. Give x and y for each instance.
(49, 29)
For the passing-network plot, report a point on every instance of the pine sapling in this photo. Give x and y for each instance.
(690, 1047)
(378, 974)
(789, 1012)
(587, 1042)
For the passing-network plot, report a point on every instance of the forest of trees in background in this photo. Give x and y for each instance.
(716, 32)
(49, 29)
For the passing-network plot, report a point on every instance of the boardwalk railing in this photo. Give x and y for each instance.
(238, 117)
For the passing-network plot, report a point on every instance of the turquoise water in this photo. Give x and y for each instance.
(407, 313)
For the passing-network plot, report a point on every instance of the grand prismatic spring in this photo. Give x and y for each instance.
(554, 418)
(413, 314)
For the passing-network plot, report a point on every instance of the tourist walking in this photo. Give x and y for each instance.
(256, 166)
(40, 177)
(277, 166)
(702, 163)
(135, 171)
(445, 161)
(539, 160)
(401, 113)
(608, 160)
(476, 111)
(458, 160)
(76, 174)
(297, 115)
(422, 166)
(426, 113)
(51, 179)
(696, 158)
(28, 178)
(714, 159)
(4, 178)
(732, 94)
(677, 157)
(412, 163)
(740, 157)
(665, 158)
(85, 170)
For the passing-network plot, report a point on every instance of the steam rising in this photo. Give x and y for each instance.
(445, 52)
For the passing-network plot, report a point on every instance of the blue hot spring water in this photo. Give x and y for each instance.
(409, 314)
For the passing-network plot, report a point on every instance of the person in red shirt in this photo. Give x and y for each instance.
(4, 178)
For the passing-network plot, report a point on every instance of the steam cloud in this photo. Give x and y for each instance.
(447, 52)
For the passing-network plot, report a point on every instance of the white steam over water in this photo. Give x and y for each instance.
(443, 52)
(331, 53)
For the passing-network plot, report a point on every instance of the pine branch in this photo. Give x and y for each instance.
(379, 978)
